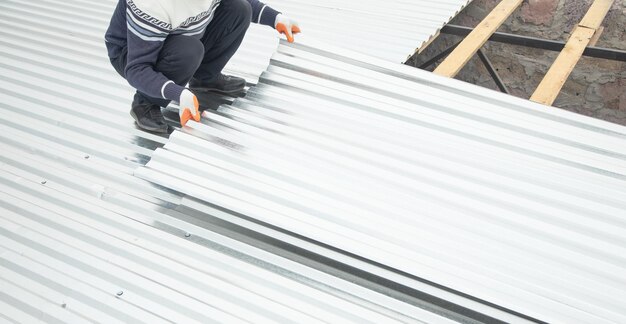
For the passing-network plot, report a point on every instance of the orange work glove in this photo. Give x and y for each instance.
(188, 107)
(287, 26)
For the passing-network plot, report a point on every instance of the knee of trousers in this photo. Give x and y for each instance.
(180, 57)
(240, 11)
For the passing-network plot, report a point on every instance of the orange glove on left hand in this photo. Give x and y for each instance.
(287, 26)
(188, 107)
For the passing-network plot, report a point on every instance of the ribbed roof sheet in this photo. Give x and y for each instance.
(82, 239)
(480, 192)
(390, 30)
(69, 257)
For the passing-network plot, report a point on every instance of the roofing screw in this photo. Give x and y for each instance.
(187, 234)
(44, 182)
(86, 157)
(120, 293)
(64, 305)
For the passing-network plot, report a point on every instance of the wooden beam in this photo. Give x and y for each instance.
(453, 64)
(551, 85)
(596, 13)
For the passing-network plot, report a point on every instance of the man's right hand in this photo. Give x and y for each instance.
(188, 107)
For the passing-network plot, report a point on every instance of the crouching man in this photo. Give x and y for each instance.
(160, 46)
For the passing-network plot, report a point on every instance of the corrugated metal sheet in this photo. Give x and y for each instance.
(69, 257)
(88, 260)
(82, 239)
(390, 30)
(484, 193)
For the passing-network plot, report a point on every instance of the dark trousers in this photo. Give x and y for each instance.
(184, 57)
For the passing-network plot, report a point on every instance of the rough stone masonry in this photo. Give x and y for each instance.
(596, 88)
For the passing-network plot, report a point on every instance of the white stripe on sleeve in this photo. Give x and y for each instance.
(163, 88)
(261, 14)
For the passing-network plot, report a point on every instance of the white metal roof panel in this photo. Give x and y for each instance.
(390, 30)
(481, 192)
(67, 256)
(82, 239)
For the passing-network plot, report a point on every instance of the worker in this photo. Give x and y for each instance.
(160, 46)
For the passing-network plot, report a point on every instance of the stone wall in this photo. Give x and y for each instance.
(597, 87)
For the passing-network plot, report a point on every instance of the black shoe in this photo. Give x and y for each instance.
(226, 84)
(148, 117)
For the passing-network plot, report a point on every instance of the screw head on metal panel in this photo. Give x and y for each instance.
(87, 157)
(120, 293)
(44, 181)
(187, 234)
(64, 305)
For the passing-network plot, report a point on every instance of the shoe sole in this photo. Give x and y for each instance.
(149, 129)
(214, 90)
(152, 130)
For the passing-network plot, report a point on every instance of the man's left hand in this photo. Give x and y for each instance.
(189, 105)
(287, 26)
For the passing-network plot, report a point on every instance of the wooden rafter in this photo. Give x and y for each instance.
(453, 64)
(551, 85)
